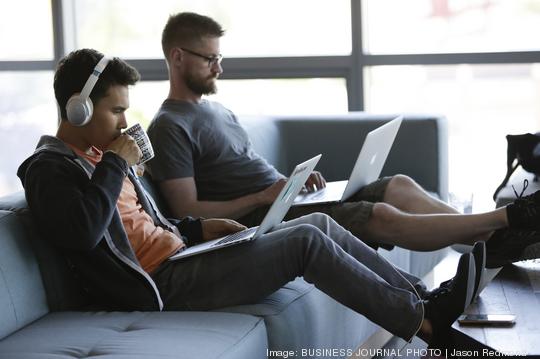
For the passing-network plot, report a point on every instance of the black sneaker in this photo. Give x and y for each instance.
(507, 245)
(444, 305)
(479, 254)
(524, 212)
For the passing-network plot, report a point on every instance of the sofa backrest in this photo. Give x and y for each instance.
(266, 136)
(22, 294)
(34, 277)
(420, 149)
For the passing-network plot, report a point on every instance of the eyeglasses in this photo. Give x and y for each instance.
(212, 60)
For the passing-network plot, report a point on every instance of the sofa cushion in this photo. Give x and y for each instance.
(22, 295)
(264, 133)
(62, 289)
(418, 264)
(423, 262)
(139, 335)
(299, 316)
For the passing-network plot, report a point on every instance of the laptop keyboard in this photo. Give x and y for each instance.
(236, 236)
(313, 195)
(317, 195)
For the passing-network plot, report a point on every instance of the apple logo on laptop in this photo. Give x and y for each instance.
(372, 160)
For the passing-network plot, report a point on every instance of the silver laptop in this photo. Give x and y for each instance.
(367, 168)
(275, 214)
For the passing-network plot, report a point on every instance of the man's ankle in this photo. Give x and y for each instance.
(426, 331)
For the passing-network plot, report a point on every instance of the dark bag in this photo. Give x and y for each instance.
(522, 150)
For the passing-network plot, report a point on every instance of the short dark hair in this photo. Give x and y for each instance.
(185, 28)
(74, 69)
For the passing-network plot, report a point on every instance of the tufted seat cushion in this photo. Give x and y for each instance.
(134, 335)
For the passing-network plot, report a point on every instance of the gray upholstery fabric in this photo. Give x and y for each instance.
(423, 262)
(62, 290)
(139, 335)
(22, 295)
(265, 135)
(416, 263)
(295, 320)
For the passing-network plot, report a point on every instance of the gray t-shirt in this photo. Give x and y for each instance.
(205, 141)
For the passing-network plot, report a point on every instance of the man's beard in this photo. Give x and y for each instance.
(200, 87)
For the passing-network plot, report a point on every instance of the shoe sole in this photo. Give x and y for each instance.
(531, 252)
(479, 255)
(466, 263)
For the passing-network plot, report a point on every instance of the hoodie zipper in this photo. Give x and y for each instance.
(122, 256)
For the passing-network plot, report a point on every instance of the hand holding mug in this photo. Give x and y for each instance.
(126, 147)
(138, 134)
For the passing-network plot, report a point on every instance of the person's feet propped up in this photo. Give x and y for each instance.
(524, 212)
(507, 245)
(445, 304)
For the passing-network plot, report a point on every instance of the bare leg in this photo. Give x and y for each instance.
(405, 194)
(426, 232)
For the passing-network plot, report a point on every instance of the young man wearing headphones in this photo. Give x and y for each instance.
(88, 202)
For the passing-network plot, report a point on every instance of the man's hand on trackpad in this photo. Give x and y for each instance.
(315, 182)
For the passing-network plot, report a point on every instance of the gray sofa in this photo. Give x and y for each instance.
(42, 314)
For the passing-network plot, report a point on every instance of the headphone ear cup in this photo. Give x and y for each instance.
(79, 111)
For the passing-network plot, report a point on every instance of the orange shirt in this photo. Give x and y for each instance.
(151, 244)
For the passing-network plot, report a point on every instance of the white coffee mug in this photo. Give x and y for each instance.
(136, 131)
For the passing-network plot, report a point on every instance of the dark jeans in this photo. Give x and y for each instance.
(314, 247)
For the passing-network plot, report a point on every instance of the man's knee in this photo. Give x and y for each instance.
(401, 182)
(318, 219)
(306, 234)
(305, 228)
(400, 190)
(385, 219)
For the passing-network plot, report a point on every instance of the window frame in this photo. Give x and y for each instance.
(351, 67)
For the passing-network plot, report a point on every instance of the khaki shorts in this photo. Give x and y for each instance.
(352, 214)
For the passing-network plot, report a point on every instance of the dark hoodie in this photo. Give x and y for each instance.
(74, 205)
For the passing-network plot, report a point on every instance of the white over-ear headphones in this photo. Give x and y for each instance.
(79, 107)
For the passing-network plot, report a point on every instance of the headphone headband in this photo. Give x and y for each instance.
(94, 76)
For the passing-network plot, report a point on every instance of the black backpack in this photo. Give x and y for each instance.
(522, 150)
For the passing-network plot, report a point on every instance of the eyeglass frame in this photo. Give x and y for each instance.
(212, 60)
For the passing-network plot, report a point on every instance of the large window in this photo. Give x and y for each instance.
(473, 61)
(26, 30)
(438, 26)
(477, 62)
(132, 29)
(483, 103)
(27, 111)
(252, 97)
